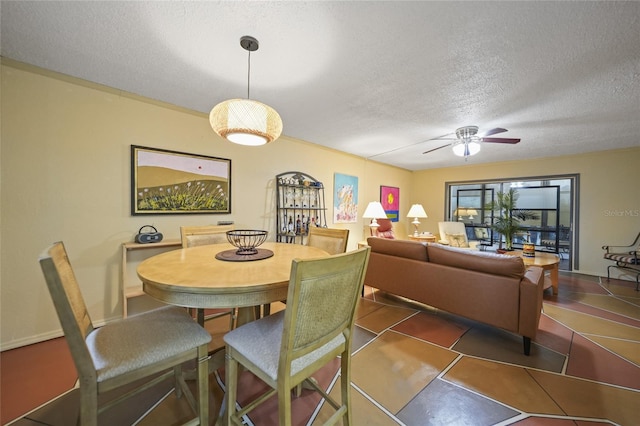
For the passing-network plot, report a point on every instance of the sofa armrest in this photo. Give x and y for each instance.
(531, 290)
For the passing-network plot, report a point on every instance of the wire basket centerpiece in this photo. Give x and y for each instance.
(246, 240)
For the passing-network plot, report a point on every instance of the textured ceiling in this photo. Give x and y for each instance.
(375, 79)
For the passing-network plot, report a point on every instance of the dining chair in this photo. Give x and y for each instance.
(286, 348)
(331, 240)
(126, 350)
(192, 236)
(200, 235)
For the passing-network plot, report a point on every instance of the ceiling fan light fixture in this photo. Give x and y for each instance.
(466, 147)
(244, 121)
(468, 143)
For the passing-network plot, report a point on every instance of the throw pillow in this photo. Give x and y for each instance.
(457, 240)
(390, 235)
(384, 225)
(385, 229)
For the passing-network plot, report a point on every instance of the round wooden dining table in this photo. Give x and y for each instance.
(193, 277)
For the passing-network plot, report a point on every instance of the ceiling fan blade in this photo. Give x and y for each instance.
(494, 131)
(501, 140)
(447, 137)
(435, 149)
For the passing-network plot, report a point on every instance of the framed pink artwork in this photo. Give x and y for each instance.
(390, 200)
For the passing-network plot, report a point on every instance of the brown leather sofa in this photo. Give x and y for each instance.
(491, 288)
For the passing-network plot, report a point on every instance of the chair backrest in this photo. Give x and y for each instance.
(321, 303)
(481, 233)
(70, 306)
(454, 233)
(331, 240)
(192, 236)
(564, 233)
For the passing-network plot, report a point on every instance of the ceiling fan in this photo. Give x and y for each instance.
(467, 142)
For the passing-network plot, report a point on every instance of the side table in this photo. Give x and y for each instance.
(548, 262)
(423, 238)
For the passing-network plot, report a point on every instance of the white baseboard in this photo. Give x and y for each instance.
(37, 338)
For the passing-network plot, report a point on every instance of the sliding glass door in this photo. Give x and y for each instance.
(549, 201)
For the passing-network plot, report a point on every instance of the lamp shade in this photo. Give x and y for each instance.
(246, 122)
(374, 211)
(417, 210)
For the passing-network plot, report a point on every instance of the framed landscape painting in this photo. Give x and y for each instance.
(172, 182)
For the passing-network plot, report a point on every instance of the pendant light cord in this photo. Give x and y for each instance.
(248, 74)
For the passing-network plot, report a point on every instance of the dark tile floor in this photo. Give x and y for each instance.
(413, 365)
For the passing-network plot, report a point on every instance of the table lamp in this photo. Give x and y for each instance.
(415, 212)
(472, 213)
(374, 211)
(459, 212)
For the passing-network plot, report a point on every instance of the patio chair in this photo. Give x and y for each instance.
(626, 258)
(563, 243)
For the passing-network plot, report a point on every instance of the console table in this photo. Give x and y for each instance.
(132, 255)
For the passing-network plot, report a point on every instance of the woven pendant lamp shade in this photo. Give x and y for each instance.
(246, 122)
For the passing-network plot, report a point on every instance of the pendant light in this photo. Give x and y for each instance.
(244, 121)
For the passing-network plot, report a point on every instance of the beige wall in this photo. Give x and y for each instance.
(66, 176)
(609, 210)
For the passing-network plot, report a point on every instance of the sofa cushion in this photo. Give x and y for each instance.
(402, 248)
(492, 263)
